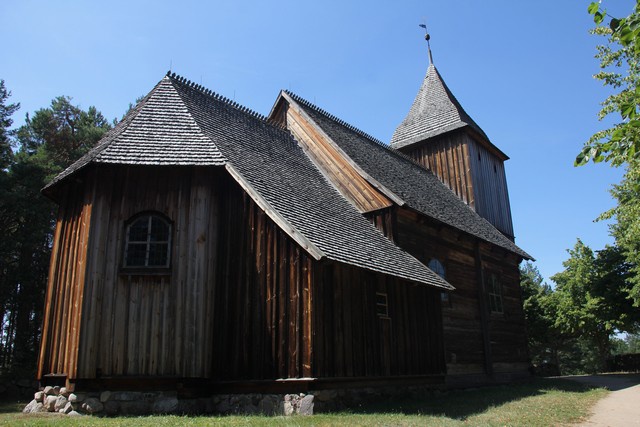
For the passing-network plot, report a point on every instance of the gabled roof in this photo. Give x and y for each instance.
(180, 123)
(435, 111)
(418, 187)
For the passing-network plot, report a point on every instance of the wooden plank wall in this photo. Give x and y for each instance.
(151, 324)
(490, 187)
(64, 297)
(351, 340)
(263, 306)
(333, 163)
(448, 158)
(241, 301)
(462, 320)
(508, 339)
(472, 172)
(385, 221)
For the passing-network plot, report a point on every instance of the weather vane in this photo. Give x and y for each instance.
(427, 37)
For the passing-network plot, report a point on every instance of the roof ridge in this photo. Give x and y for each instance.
(336, 119)
(352, 128)
(213, 94)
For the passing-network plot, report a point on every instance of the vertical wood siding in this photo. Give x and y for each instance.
(241, 300)
(263, 303)
(351, 340)
(151, 324)
(448, 158)
(490, 188)
(472, 172)
(64, 297)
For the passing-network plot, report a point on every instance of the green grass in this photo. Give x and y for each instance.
(542, 402)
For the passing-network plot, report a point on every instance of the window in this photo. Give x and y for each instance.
(437, 267)
(495, 294)
(148, 241)
(382, 305)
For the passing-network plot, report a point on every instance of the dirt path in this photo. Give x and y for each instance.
(621, 407)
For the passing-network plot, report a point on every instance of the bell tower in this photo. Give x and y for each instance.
(441, 136)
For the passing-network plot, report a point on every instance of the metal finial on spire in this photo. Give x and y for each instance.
(427, 37)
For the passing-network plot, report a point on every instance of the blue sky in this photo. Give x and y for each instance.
(522, 70)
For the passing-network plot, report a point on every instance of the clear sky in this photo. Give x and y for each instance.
(522, 70)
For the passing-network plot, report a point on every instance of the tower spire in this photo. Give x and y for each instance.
(427, 37)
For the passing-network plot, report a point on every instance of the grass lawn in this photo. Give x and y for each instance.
(542, 402)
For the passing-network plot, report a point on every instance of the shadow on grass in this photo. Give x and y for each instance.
(462, 404)
(11, 407)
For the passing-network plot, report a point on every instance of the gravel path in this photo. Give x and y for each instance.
(621, 407)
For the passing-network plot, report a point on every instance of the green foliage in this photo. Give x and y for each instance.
(60, 134)
(593, 301)
(626, 228)
(6, 111)
(545, 340)
(47, 143)
(619, 64)
(630, 344)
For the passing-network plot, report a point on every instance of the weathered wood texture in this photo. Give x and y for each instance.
(64, 297)
(151, 324)
(337, 167)
(448, 158)
(241, 301)
(385, 221)
(490, 188)
(462, 318)
(473, 172)
(263, 304)
(352, 339)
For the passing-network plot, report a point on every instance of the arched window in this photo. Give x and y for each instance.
(147, 241)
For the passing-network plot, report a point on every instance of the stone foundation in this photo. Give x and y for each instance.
(107, 403)
(112, 403)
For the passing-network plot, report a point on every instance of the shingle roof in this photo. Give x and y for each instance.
(434, 111)
(265, 158)
(420, 189)
(158, 131)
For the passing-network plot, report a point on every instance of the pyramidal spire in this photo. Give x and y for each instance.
(435, 110)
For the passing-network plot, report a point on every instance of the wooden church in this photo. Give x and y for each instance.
(202, 244)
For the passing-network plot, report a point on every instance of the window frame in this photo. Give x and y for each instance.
(445, 297)
(494, 293)
(382, 307)
(147, 269)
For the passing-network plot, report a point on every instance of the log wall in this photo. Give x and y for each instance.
(475, 341)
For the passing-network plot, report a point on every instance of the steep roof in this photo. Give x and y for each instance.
(159, 130)
(180, 123)
(435, 111)
(418, 187)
